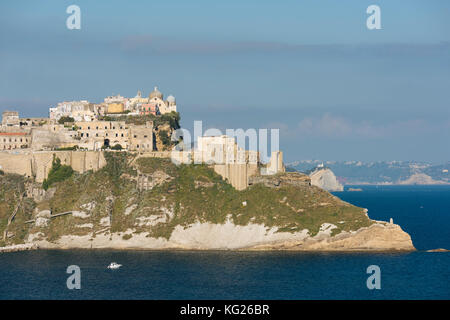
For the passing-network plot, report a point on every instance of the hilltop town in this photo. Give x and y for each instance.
(78, 131)
(108, 175)
(117, 123)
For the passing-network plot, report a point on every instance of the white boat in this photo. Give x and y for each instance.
(114, 265)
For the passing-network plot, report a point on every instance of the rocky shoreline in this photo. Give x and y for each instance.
(379, 237)
(20, 247)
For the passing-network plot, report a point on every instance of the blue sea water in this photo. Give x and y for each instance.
(422, 211)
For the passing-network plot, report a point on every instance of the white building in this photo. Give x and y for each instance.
(79, 110)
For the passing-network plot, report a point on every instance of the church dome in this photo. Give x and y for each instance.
(171, 99)
(156, 94)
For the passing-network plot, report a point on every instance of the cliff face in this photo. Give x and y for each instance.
(154, 204)
(228, 236)
(324, 178)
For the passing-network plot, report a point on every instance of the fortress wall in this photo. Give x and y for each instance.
(236, 174)
(94, 160)
(40, 163)
(78, 161)
(16, 163)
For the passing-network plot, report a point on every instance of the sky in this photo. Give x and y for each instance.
(312, 69)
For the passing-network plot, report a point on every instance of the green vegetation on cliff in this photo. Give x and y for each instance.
(155, 196)
(172, 119)
(57, 173)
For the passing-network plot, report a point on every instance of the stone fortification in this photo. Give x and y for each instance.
(38, 164)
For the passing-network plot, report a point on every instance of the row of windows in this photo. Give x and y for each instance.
(82, 134)
(106, 135)
(15, 140)
(11, 146)
(143, 146)
(106, 128)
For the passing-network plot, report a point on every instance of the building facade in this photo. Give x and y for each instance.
(14, 140)
(96, 135)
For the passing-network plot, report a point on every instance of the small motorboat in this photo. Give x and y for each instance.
(114, 265)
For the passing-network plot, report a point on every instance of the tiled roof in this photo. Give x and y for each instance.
(13, 133)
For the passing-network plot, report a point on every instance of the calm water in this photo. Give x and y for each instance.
(424, 212)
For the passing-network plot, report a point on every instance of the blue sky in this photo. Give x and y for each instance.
(336, 90)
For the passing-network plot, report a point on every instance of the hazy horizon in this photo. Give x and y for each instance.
(336, 90)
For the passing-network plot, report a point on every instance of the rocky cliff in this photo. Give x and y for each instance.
(153, 204)
(324, 178)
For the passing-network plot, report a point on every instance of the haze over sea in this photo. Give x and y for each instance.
(422, 211)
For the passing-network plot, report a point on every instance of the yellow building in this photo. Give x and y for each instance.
(115, 108)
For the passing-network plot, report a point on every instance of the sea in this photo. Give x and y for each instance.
(422, 211)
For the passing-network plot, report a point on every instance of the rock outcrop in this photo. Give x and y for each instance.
(287, 178)
(324, 178)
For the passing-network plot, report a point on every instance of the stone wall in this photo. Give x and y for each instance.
(38, 164)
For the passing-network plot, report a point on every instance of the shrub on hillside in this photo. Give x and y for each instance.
(117, 147)
(65, 119)
(57, 173)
